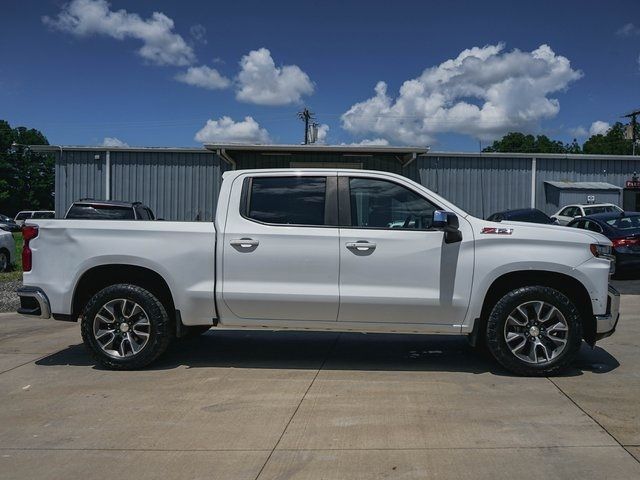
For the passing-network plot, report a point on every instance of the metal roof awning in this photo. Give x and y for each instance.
(583, 185)
(345, 149)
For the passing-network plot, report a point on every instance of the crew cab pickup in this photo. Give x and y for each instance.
(332, 250)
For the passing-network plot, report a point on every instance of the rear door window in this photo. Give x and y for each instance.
(287, 200)
(99, 212)
(43, 215)
(143, 213)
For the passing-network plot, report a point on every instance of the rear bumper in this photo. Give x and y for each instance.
(606, 324)
(33, 302)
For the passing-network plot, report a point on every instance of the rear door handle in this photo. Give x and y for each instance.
(244, 242)
(361, 246)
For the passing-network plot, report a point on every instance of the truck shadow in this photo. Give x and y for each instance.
(332, 351)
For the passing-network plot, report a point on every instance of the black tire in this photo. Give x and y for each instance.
(5, 261)
(160, 330)
(496, 332)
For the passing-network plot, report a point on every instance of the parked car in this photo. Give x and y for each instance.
(7, 250)
(8, 224)
(623, 229)
(313, 250)
(569, 212)
(89, 209)
(529, 215)
(24, 215)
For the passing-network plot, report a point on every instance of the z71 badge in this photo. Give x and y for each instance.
(497, 230)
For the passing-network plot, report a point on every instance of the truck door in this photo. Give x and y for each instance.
(394, 268)
(280, 257)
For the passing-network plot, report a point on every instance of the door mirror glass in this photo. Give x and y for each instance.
(447, 222)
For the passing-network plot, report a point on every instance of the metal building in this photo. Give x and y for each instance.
(560, 194)
(183, 183)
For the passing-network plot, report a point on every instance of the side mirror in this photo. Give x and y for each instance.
(449, 224)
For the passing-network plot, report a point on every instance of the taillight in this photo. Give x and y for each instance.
(625, 242)
(29, 232)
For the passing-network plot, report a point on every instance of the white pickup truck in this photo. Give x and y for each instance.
(331, 250)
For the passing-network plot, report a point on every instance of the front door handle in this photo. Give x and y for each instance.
(361, 246)
(244, 243)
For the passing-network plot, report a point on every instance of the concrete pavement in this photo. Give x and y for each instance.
(248, 405)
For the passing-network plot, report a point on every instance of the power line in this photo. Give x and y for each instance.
(306, 116)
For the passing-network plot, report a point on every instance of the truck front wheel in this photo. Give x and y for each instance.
(534, 331)
(125, 327)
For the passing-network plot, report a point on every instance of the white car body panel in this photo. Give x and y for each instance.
(181, 252)
(304, 278)
(7, 242)
(564, 220)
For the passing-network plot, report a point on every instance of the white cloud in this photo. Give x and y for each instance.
(160, 45)
(199, 33)
(579, 131)
(483, 92)
(323, 130)
(599, 128)
(373, 141)
(226, 129)
(113, 142)
(628, 30)
(262, 83)
(204, 77)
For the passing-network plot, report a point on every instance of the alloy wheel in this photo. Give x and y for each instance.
(536, 332)
(121, 328)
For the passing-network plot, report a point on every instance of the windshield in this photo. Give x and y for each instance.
(600, 209)
(629, 223)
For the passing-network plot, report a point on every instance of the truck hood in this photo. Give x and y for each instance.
(538, 231)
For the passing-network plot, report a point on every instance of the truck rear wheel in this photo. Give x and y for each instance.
(125, 327)
(534, 331)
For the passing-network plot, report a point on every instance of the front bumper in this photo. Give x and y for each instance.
(33, 302)
(606, 324)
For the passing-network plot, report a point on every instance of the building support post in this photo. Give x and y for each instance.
(107, 175)
(533, 182)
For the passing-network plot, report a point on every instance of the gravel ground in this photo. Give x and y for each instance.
(8, 299)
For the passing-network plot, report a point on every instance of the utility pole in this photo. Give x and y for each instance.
(634, 127)
(305, 115)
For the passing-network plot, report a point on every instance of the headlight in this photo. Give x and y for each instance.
(601, 250)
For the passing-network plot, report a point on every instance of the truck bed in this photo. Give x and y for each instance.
(183, 253)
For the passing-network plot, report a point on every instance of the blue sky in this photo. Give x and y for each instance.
(86, 70)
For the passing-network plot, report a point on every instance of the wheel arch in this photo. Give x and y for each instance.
(9, 256)
(96, 278)
(568, 285)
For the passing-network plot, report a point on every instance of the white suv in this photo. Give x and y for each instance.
(569, 212)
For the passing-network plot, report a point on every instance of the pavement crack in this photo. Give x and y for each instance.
(324, 361)
(592, 419)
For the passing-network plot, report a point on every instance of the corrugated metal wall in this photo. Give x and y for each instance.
(251, 159)
(479, 185)
(568, 197)
(614, 171)
(78, 175)
(181, 186)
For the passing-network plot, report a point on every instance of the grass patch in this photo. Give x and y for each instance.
(16, 271)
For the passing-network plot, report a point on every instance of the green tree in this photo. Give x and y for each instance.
(516, 142)
(26, 178)
(611, 143)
